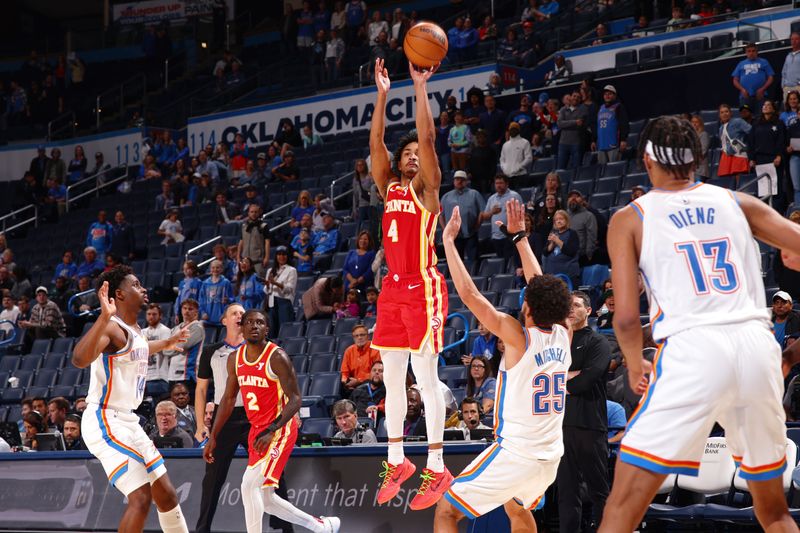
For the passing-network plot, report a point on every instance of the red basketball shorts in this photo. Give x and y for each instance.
(274, 460)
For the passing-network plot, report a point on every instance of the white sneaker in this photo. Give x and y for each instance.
(331, 523)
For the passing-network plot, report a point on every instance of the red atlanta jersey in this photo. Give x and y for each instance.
(261, 390)
(408, 231)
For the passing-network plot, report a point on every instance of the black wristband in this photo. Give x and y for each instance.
(518, 236)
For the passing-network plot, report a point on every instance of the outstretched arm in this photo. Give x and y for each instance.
(429, 171)
(515, 212)
(504, 326)
(379, 159)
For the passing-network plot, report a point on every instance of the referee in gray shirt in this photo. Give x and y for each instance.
(212, 366)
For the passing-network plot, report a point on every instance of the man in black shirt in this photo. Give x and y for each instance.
(123, 242)
(483, 163)
(585, 422)
(370, 396)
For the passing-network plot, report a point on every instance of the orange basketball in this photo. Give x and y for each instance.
(425, 44)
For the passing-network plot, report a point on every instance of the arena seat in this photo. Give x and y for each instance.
(321, 344)
(40, 347)
(324, 427)
(9, 363)
(300, 363)
(453, 375)
(291, 329)
(319, 363)
(295, 345)
(318, 327)
(31, 362)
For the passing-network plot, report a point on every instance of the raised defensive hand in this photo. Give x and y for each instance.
(107, 306)
(453, 226)
(382, 77)
(421, 75)
(515, 214)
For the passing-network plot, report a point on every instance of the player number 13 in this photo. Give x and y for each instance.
(709, 265)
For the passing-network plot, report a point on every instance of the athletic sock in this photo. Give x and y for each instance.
(173, 521)
(435, 460)
(396, 455)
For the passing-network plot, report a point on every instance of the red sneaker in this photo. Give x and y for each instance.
(394, 476)
(433, 487)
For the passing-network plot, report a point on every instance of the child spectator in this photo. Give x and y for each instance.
(189, 287)
(171, 228)
(215, 294)
(239, 156)
(371, 309)
(351, 307)
(249, 290)
(303, 251)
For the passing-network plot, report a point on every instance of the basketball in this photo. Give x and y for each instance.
(425, 44)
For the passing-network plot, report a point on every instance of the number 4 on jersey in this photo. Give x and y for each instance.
(392, 233)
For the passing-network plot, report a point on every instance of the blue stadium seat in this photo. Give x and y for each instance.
(586, 187)
(510, 300)
(300, 363)
(453, 375)
(324, 427)
(315, 328)
(721, 41)
(294, 345)
(602, 201)
(697, 46)
(9, 363)
(326, 385)
(63, 345)
(608, 184)
(70, 376)
(45, 377)
(501, 282)
(492, 266)
(321, 344)
(343, 342)
(12, 395)
(747, 35)
(291, 329)
(40, 346)
(649, 54)
(63, 390)
(614, 169)
(594, 275)
(302, 383)
(210, 333)
(322, 363)
(338, 260)
(632, 180)
(31, 362)
(345, 326)
(543, 165)
(588, 172)
(25, 378)
(625, 59)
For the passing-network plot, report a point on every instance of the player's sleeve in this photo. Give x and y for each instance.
(204, 364)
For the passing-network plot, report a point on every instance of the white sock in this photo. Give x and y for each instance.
(277, 506)
(173, 521)
(396, 455)
(435, 460)
(425, 365)
(395, 369)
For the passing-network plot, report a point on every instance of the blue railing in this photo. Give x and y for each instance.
(462, 340)
(6, 342)
(90, 312)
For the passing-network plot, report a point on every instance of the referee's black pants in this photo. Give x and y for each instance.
(585, 460)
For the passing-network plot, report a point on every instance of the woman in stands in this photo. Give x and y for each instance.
(766, 142)
(733, 136)
(248, 289)
(77, 167)
(357, 269)
(302, 207)
(793, 132)
(279, 286)
(702, 172)
(362, 185)
(481, 382)
(792, 108)
(34, 423)
(561, 249)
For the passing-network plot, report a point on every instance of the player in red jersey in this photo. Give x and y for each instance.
(265, 375)
(412, 307)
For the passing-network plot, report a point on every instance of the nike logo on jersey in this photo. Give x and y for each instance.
(412, 287)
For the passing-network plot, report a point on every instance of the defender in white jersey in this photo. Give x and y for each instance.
(531, 386)
(118, 354)
(717, 359)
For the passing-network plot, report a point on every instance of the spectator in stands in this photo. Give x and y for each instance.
(316, 59)
(305, 26)
(543, 222)
(339, 17)
(30, 192)
(471, 415)
(369, 397)
(552, 186)
(702, 171)
(571, 124)
(39, 405)
(454, 40)
(248, 289)
(351, 308)
(785, 321)
(612, 128)
(227, 211)
(752, 77)
(358, 359)
(240, 154)
(80, 404)
(493, 120)
(215, 293)
(307, 223)
(508, 48)
(188, 288)
(371, 306)
(206, 166)
(515, 156)
(323, 298)
(76, 170)
(56, 169)
(7, 259)
(182, 365)
(57, 409)
(585, 421)
(302, 208)
(38, 166)
(123, 240)
(468, 42)
(487, 29)
(255, 240)
(167, 425)
(362, 191)
(286, 138)
(442, 143)
(766, 141)
(310, 139)
(166, 200)
(460, 141)
(287, 170)
(72, 432)
(600, 35)
(205, 188)
(473, 108)
(10, 313)
(303, 250)
(99, 235)
(677, 22)
(334, 55)
(88, 301)
(791, 108)
(481, 382)
(24, 305)
(100, 167)
(344, 413)
(34, 423)
(528, 123)
(530, 46)
(484, 344)
(547, 10)
(790, 73)
(792, 133)
(22, 284)
(562, 249)
(584, 225)
(326, 240)
(375, 27)
(46, 321)
(322, 17)
(279, 286)
(55, 200)
(288, 30)
(156, 384)
(562, 70)
(91, 265)
(414, 424)
(149, 168)
(496, 212)
(164, 150)
(471, 205)
(733, 134)
(187, 419)
(357, 271)
(171, 228)
(251, 177)
(483, 163)
(66, 268)
(642, 28)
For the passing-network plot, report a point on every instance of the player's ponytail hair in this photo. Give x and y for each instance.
(673, 144)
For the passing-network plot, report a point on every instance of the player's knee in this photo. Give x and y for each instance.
(140, 499)
(446, 511)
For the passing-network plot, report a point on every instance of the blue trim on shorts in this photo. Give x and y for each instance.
(655, 467)
(763, 476)
(487, 460)
(118, 475)
(99, 415)
(501, 402)
(155, 465)
(466, 512)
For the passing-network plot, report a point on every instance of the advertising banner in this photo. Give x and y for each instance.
(332, 113)
(155, 11)
(72, 492)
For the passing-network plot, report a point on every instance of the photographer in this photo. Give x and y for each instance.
(344, 413)
(279, 286)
